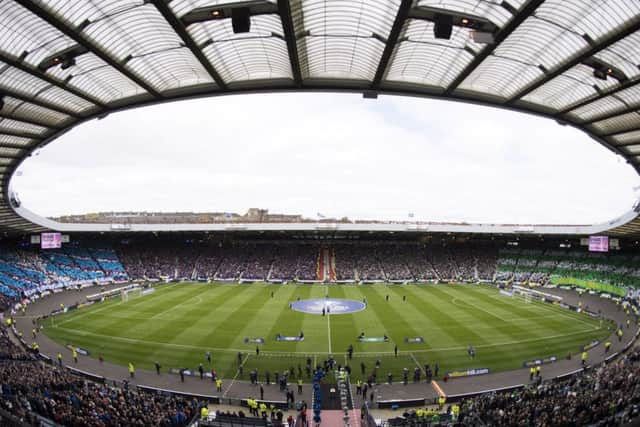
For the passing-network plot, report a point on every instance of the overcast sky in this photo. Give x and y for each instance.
(337, 155)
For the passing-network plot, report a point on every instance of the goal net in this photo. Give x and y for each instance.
(131, 293)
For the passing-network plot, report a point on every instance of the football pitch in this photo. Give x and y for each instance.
(179, 322)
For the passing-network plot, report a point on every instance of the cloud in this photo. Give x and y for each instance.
(336, 154)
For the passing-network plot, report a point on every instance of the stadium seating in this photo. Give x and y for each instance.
(253, 261)
(25, 271)
(607, 395)
(556, 266)
(31, 387)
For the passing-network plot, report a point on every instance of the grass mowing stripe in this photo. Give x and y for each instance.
(197, 296)
(288, 318)
(216, 307)
(541, 325)
(221, 323)
(571, 315)
(288, 322)
(556, 310)
(455, 348)
(152, 327)
(392, 318)
(313, 325)
(182, 320)
(160, 293)
(103, 305)
(426, 324)
(217, 317)
(79, 314)
(455, 329)
(266, 316)
(483, 316)
(345, 325)
(351, 325)
(106, 324)
(396, 325)
(156, 328)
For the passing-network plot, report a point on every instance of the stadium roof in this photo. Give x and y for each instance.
(63, 62)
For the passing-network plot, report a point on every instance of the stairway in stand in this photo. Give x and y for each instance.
(332, 265)
(326, 270)
(336, 418)
(320, 266)
(337, 403)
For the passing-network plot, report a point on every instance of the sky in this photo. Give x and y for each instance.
(394, 158)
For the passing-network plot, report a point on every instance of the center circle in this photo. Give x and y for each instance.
(330, 306)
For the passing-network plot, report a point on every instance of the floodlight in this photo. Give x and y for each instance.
(442, 26)
(241, 20)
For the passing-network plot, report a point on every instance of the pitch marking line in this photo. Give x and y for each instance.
(417, 363)
(162, 313)
(548, 309)
(372, 353)
(525, 320)
(456, 300)
(107, 305)
(329, 331)
(235, 377)
(575, 317)
(328, 322)
(81, 315)
(543, 305)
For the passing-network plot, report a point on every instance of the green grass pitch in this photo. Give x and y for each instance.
(178, 323)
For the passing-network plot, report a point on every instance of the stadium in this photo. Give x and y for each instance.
(263, 319)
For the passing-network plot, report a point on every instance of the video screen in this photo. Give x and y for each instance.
(598, 243)
(50, 240)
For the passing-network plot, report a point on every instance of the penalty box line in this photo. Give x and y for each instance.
(555, 310)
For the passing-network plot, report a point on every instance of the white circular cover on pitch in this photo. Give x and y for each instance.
(331, 306)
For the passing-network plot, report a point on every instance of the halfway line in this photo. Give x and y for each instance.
(329, 325)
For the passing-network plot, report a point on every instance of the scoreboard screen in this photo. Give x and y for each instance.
(598, 243)
(50, 240)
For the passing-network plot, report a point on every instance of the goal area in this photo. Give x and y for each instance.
(131, 293)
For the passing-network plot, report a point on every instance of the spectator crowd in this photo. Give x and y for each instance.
(29, 386)
(287, 261)
(608, 395)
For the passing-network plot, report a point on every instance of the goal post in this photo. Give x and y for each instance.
(131, 293)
